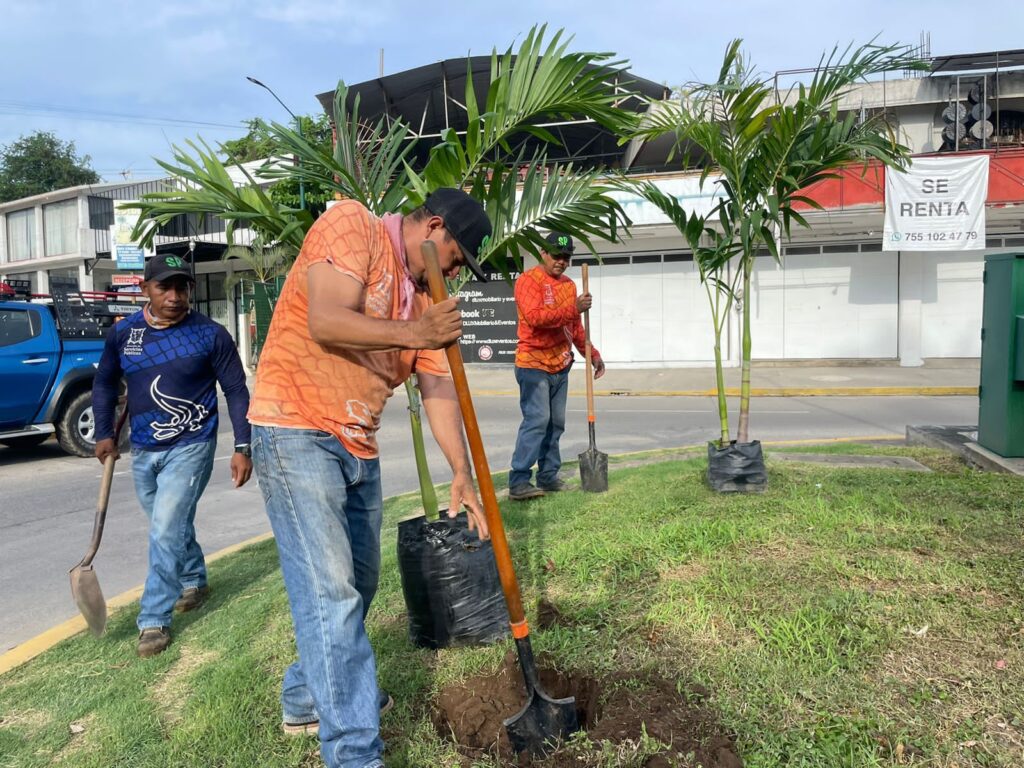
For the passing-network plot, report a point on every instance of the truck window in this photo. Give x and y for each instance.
(17, 326)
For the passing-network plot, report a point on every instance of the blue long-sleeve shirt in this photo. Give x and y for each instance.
(172, 375)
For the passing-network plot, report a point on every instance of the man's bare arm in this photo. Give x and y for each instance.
(336, 319)
(442, 405)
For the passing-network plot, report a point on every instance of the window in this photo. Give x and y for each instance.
(60, 222)
(21, 234)
(16, 326)
(67, 277)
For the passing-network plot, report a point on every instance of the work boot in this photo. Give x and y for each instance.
(554, 486)
(313, 728)
(153, 640)
(524, 492)
(191, 598)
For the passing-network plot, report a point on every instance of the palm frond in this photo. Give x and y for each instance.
(552, 197)
(208, 190)
(367, 164)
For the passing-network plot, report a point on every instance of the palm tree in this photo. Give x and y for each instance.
(266, 261)
(762, 150)
(521, 190)
(263, 265)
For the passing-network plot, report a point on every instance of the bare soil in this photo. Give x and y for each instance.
(613, 712)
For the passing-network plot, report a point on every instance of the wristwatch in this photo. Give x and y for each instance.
(244, 449)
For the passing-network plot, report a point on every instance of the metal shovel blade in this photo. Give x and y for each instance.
(542, 724)
(85, 588)
(593, 470)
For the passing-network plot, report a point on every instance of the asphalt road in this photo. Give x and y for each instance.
(47, 499)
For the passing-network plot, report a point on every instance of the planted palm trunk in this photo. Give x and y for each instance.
(737, 466)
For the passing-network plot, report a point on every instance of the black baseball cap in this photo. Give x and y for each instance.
(165, 265)
(559, 243)
(467, 222)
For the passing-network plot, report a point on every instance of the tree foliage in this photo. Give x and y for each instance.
(41, 162)
(762, 150)
(522, 190)
(259, 144)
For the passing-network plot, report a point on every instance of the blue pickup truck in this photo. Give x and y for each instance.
(49, 350)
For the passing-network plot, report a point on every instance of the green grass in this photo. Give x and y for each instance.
(843, 618)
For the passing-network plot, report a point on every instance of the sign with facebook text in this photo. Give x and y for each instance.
(937, 204)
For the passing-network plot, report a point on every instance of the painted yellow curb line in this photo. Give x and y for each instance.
(32, 647)
(764, 392)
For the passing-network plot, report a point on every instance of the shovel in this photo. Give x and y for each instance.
(543, 721)
(593, 463)
(85, 587)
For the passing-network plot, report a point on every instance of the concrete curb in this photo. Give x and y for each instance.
(44, 641)
(764, 392)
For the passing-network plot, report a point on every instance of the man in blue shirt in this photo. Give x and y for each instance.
(172, 360)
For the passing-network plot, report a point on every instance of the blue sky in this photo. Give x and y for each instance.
(188, 59)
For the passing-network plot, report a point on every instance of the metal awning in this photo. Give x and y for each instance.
(966, 62)
(429, 99)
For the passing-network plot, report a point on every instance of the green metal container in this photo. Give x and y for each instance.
(1001, 394)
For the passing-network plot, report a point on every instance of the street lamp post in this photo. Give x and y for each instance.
(298, 125)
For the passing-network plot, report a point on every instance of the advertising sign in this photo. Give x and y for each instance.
(126, 252)
(938, 204)
(489, 320)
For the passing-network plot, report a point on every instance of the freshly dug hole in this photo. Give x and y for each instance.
(617, 710)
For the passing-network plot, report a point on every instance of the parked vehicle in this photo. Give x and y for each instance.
(50, 347)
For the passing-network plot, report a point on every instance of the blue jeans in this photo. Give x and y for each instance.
(169, 484)
(542, 397)
(325, 507)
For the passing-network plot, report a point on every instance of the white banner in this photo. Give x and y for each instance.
(686, 190)
(938, 204)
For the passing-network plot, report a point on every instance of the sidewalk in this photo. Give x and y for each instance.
(939, 377)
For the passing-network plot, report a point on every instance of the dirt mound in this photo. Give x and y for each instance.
(616, 712)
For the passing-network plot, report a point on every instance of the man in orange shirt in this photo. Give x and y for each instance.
(352, 323)
(550, 323)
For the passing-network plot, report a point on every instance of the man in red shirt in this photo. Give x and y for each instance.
(550, 323)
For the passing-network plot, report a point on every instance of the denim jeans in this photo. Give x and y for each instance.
(542, 397)
(325, 508)
(169, 484)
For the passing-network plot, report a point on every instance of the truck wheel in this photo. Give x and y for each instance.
(76, 427)
(26, 441)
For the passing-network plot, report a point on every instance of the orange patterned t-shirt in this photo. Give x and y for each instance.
(549, 324)
(303, 385)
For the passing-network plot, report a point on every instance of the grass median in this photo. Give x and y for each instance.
(846, 617)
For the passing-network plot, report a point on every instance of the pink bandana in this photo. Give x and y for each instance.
(406, 285)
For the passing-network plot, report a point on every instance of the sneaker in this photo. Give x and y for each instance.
(554, 486)
(153, 640)
(313, 728)
(191, 598)
(524, 492)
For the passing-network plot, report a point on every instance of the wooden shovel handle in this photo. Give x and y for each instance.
(589, 354)
(506, 571)
(104, 498)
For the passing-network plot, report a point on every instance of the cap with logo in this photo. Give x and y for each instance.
(467, 222)
(559, 244)
(165, 265)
